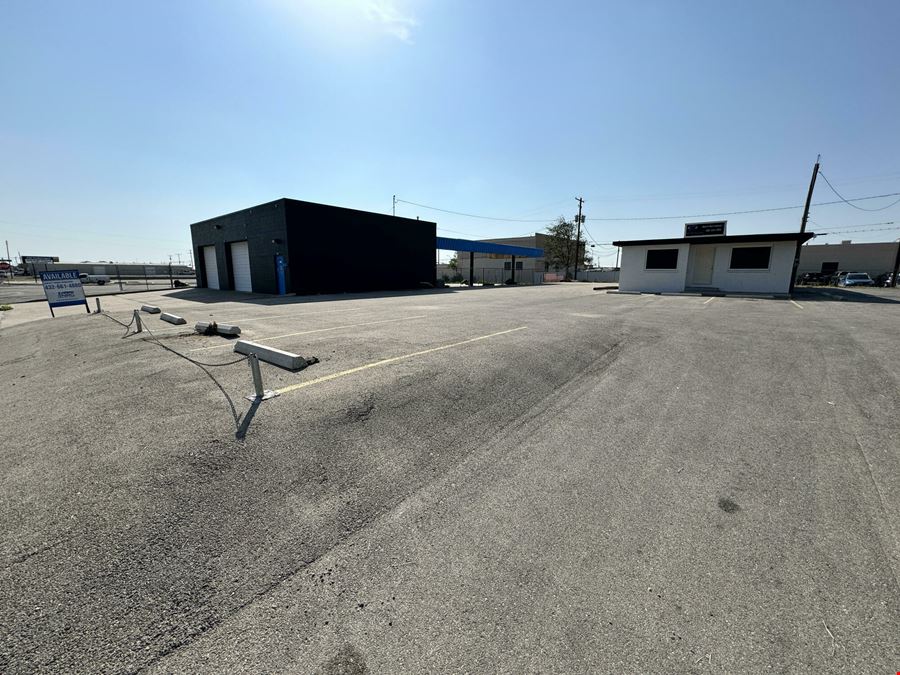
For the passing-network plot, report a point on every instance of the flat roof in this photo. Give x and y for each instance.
(725, 239)
(449, 244)
(282, 200)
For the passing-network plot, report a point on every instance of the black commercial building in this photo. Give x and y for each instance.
(291, 246)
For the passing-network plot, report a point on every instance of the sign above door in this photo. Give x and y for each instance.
(711, 229)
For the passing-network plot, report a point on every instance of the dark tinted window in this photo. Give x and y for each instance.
(750, 257)
(662, 258)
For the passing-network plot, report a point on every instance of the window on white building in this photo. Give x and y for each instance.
(662, 258)
(750, 257)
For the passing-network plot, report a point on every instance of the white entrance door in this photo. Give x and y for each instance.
(240, 265)
(703, 259)
(212, 268)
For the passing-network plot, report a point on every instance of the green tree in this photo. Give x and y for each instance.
(454, 263)
(559, 248)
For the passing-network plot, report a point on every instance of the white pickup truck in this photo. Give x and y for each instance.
(98, 279)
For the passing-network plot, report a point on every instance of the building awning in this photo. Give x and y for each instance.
(448, 244)
(732, 239)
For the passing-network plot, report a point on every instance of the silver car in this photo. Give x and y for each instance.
(856, 279)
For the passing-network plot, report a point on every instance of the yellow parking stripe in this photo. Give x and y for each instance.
(796, 304)
(384, 362)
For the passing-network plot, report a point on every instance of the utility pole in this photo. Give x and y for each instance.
(192, 257)
(580, 220)
(394, 210)
(812, 186)
(893, 276)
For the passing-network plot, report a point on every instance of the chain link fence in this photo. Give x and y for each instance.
(125, 276)
(489, 276)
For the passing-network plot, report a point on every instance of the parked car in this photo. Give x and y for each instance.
(814, 278)
(884, 279)
(98, 279)
(856, 279)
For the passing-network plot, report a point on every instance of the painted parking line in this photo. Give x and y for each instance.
(710, 300)
(395, 359)
(796, 304)
(316, 330)
(299, 316)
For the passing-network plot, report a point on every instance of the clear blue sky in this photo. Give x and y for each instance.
(123, 122)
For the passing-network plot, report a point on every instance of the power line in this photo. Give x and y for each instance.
(852, 227)
(473, 215)
(731, 193)
(739, 213)
(677, 217)
(848, 201)
(873, 229)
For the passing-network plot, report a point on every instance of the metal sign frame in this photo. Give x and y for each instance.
(63, 288)
(713, 228)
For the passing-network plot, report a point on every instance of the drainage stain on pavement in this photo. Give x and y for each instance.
(348, 661)
(727, 505)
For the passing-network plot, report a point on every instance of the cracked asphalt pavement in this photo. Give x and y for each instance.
(549, 479)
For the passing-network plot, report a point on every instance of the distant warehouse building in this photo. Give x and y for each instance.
(874, 258)
(706, 260)
(291, 246)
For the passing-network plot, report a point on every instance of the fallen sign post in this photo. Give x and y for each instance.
(63, 289)
(259, 393)
(274, 356)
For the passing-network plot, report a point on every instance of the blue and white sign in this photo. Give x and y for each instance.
(63, 288)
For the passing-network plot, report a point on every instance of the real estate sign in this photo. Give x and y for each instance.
(63, 288)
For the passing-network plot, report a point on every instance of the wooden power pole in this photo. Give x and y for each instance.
(809, 194)
(580, 220)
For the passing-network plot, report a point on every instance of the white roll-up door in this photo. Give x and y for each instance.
(212, 268)
(240, 265)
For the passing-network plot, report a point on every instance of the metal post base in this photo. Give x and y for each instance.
(266, 395)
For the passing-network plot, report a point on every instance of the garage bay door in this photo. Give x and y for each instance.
(240, 264)
(212, 269)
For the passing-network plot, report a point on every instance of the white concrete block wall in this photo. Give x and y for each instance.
(776, 279)
(633, 276)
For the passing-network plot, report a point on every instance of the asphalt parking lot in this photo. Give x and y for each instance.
(527, 479)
